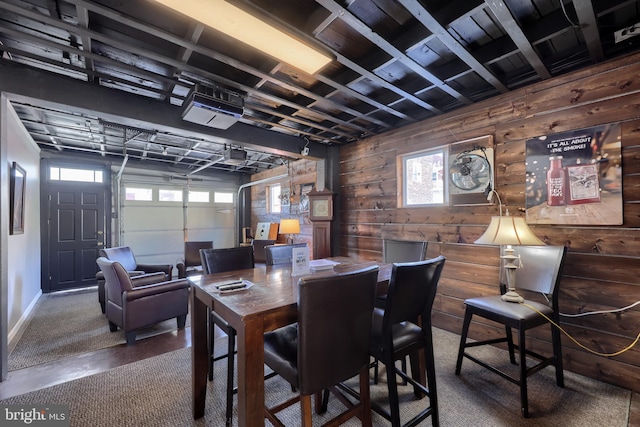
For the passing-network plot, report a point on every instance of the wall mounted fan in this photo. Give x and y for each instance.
(471, 171)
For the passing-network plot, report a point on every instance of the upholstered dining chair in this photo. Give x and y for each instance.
(280, 254)
(192, 264)
(136, 302)
(402, 328)
(258, 246)
(217, 261)
(124, 255)
(328, 345)
(403, 250)
(540, 273)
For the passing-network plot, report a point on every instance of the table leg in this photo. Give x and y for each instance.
(251, 374)
(199, 353)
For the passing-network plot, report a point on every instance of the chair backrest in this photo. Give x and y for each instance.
(122, 254)
(192, 252)
(258, 249)
(541, 268)
(403, 251)
(116, 278)
(412, 290)
(280, 254)
(334, 326)
(226, 259)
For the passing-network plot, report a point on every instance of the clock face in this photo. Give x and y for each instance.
(321, 208)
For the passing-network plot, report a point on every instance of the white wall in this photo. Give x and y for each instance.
(23, 250)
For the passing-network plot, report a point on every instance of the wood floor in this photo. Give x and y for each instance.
(48, 374)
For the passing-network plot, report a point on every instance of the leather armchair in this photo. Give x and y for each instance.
(140, 301)
(124, 255)
(192, 263)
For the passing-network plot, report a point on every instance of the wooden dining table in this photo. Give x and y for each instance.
(269, 303)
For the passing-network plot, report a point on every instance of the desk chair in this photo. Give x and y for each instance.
(402, 328)
(192, 264)
(541, 272)
(217, 261)
(328, 345)
(280, 254)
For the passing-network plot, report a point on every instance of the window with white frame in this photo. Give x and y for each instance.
(274, 192)
(222, 197)
(75, 174)
(198, 196)
(138, 194)
(423, 178)
(166, 195)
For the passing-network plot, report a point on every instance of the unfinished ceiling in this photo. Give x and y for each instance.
(395, 62)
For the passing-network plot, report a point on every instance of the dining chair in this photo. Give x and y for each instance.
(328, 345)
(403, 250)
(402, 328)
(217, 261)
(280, 254)
(192, 264)
(540, 273)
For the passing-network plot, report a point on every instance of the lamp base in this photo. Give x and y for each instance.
(512, 296)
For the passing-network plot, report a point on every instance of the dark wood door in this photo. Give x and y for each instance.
(76, 232)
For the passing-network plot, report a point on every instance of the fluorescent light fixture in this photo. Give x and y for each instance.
(240, 25)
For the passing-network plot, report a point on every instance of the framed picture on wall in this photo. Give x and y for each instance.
(304, 197)
(16, 196)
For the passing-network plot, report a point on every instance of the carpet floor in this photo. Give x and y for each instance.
(66, 325)
(157, 392)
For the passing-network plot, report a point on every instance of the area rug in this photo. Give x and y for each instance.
(157, 392)
(69, 324)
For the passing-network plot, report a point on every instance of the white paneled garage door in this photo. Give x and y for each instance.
(157, 218)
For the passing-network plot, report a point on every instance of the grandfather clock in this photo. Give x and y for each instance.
(321, 215)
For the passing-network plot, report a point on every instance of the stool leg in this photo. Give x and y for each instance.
(463, 338)
(524, 403)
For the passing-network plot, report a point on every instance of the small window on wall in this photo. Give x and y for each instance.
(165, 195)
(139, 194)
(75, 175)
(422, 178)
(274, 192)
(220, 197)
(199, 196)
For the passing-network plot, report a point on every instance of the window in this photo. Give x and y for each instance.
(274, 198)
(75, 175)
(165, 195)
(423, 178)
(139, 194)
(219, 197)
(198, 196)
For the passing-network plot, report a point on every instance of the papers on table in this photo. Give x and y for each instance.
(322, 264)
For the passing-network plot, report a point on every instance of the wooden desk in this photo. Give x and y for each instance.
(269, 304)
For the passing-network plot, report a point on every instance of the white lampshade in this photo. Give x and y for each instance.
(509, 230)
(289, 226)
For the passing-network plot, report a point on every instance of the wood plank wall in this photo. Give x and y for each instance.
(602, 270)
(300, 172)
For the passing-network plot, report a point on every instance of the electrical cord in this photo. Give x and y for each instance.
(617, 353)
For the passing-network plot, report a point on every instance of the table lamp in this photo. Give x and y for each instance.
(509, 231)
(289, 226)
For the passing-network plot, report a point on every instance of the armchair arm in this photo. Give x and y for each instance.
(155, 288)
(148, 279)
(182, 270)
(152, 268)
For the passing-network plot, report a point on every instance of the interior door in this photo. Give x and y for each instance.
(75, 231)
